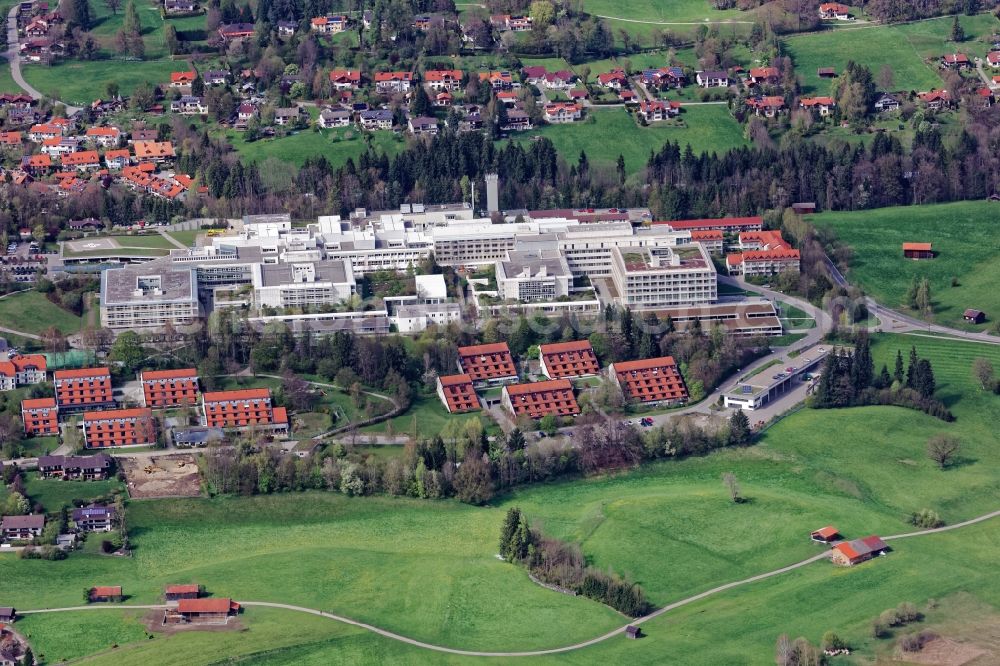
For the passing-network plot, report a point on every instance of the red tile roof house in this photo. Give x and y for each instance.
(760, 75)
(497, 80)
(182, 79)
(169, 388)
(40, 416)
(445, 79)
(346, 79)
(244, 408)
(106, 137)
(236, 31)
(955, 61)
(650, 381)
(393, 82)
(768, 106)
(559, 80)
(834, 10)
(563, 112)
(824, 105)
(540, 399)
(488, 364)
(918, 251)
(935, 99)
(564, 360)
(22, 528)
(178, 592)
(83, 387)
(458, 394)
(615, 79)
(83, 160)
(20, 370)
(849, 553)
(657, 110)
(105, 593)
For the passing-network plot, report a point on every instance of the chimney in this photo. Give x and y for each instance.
(492, 193)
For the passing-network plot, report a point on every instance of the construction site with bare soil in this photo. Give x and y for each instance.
(174, 475)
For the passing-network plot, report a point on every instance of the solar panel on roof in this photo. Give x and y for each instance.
(746, 389)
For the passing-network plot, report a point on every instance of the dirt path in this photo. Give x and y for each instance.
(534, 653)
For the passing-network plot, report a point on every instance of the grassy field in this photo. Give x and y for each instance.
(642, 19)
(335, 145)
(905, 48)
(430, 417)
(708, 129)
(966, 246)
(31, 312)
(80, 83)
(426, 568)
(53, 494)
(186, 237)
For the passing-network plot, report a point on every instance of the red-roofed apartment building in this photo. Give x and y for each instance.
(849, 553)
(83, 387)
(568, 359)
(650, 381)
(540, 399)
(21, 370)
(457, 393)
(724, 224)
(40, 416)
(242, 409)
(764, 253)
(169, 388)
(712, 240)
(488, 364)
(119, 427)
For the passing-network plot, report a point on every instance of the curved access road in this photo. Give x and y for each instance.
(13, 55)
(707, 21)
(529, 653)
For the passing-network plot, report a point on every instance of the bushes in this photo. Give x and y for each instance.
(916, 641)
(562, 564)
(900, 616)
(926, 518)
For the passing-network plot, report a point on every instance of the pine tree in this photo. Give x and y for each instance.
(739, 429)
(898, 374)
(884, 379)
(957, 32)
(912, 367)
(81, 14)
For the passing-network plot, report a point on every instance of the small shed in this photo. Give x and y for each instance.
(804, 208)
(974, 316)
(826, 72)
(825, 534)
(632, 631)
(918, 251)
(7, 614)
(178, 592)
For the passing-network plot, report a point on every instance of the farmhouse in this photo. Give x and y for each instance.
(918, 251)
(22, 528)
(974, 316)
(178, 592)
(825, 534)
(768, 106)
(182, 79)
(105, 593)
(119, 427)
(763, 75)
(993, 59)
(488, 364)
(849, 553)
(650, 381)
(564, 360)
(955, 61)
(834, 10)
(169, 388)
(345, 79)
(94, 518)
(540, 399)
(712, 79)
(935, 99)
(235, 31)
(657, 110)
(457, 394)
(40, 416)
(83, 387)
(242, 409)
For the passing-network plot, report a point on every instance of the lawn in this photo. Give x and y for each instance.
(32, 312)
(644, 19)
(53, 494)
(335, 145)
(905, 48)
(80, 83)
(187, 237)
(708, 129)
(963, 238)
(427, 569)
(429, 417)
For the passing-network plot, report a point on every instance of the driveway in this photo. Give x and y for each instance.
(13, 56)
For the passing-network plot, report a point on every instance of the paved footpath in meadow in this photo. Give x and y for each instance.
(529, 653)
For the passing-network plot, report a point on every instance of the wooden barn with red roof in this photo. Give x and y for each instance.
(568, 359)
(488, 364)
(650, 381)
(849, 553)
(539, 399)
(200, 610)
(458, 394)
(918, 251)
